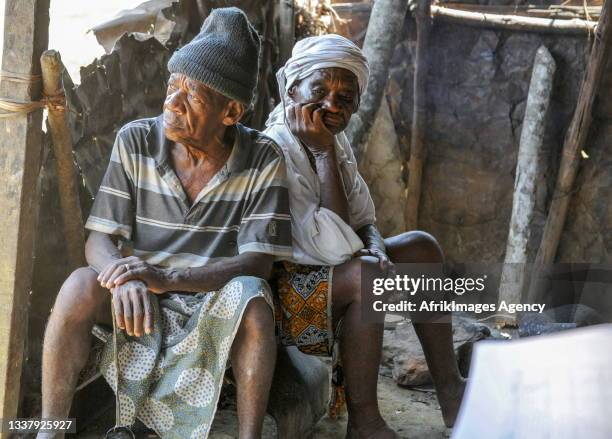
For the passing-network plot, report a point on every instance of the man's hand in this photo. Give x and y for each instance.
(133, 268)
(116, 268)
(306, 123)
(132, 306)
(385, 264)
(158, 280)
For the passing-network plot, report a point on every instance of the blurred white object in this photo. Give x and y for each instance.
(554, 386)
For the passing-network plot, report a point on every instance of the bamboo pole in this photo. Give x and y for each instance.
(527, 170)
(513, 22)
(70, 205)
(575, 139)
(419, 114)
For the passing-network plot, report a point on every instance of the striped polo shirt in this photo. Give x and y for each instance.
(244, 207)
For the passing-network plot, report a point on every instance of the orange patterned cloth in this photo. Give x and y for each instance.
(303, 306)
(303, 315)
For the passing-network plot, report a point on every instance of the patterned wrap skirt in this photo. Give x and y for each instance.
(303, 316)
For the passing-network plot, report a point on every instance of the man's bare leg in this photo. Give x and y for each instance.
(360, 349)
(68, 340)
(436, 338)
(253, 358)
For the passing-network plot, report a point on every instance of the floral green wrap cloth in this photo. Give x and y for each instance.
(171, 380)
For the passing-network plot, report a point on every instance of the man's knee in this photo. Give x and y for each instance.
(258, 318)
(80, 296)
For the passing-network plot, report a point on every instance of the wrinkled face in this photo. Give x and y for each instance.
(336, 90)
(194, 113)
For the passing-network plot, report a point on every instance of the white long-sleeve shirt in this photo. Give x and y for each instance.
(320, 236)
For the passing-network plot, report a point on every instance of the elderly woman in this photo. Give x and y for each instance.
(335, 237)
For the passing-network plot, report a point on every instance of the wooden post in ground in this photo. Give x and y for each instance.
(575, 139)
(26, 27)
(385, 26)
(262, 106)
(527, 170)
(74, 235)
(419, 116)
(286, 29)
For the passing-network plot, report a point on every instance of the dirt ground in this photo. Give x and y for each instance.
(413, 414)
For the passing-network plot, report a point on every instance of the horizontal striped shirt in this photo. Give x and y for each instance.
(244, 207)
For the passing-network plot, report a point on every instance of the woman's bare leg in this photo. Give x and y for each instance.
(360, 349)
(436, 337)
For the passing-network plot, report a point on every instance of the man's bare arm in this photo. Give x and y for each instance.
(213, 276)
(333, 196)
(371, 237)
(100, 250)
(210, 277)
(132, 306)
(374, 245)
(306, 123)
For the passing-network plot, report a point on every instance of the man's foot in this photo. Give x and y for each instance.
(450, 401)
(374, 430)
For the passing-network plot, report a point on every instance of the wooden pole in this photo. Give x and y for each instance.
(262, 106)
(419, 116)
(286, 29)
(384, 28)
(549, 11)
(513, 22)
(527, 171)
(26, 28)
(67, 175)
(575, 139)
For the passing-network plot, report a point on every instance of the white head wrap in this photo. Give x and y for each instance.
(316, 53)
(322, 52)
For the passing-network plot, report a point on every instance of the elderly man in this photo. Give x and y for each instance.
(334, 233)
(203, 202)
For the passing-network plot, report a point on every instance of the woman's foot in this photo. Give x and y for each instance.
(450, 401)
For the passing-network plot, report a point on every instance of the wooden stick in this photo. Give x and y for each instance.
(513, 22)
(25, 37)
(575, 139)
(262, 105)
(419, 115)
(384, 28)
(551, 11)
(286, 29)
(527, 170)
(70, 205)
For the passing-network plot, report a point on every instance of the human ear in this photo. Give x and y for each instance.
(233, 113)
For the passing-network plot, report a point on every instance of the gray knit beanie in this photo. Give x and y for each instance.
(224, 55)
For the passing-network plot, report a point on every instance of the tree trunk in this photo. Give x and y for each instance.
(384, 27)
(527, 164)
